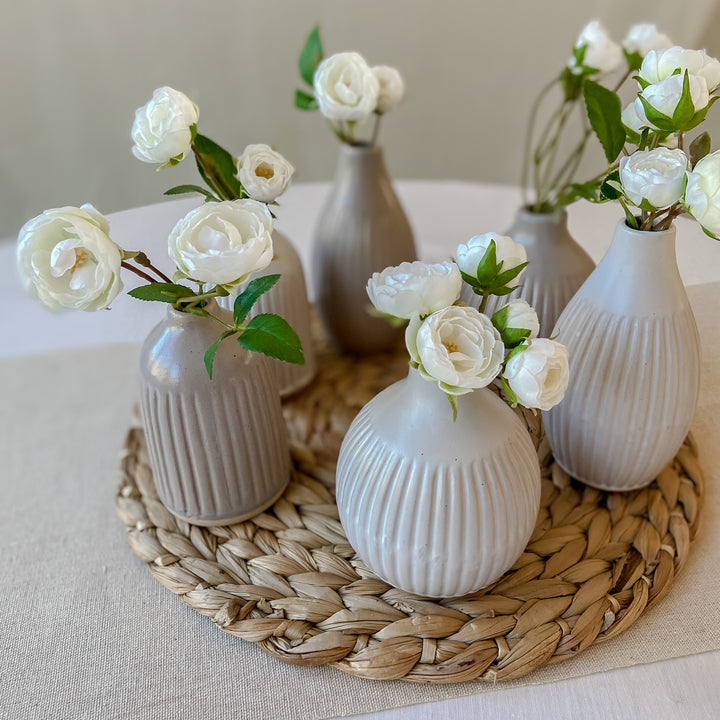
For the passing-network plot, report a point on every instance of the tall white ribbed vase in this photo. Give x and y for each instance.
(437, 508)
(634, 366)
(218, 448)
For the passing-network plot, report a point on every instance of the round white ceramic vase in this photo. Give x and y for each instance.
(437, 508)
(634, 366)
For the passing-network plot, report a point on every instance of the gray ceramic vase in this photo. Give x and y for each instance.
(218, 448)
(557, 267)
(362, 229)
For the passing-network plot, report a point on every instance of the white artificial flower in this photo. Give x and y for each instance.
(702, 195)
(507, 250)
(539, 374)
(665, 95)
(345, 87)
(415, 288)
(263, 172)
(659, 65)
(601, 53)
(631, 119)
(161, 130)
(656, 176)
(222, 243)
(67, 260)
(458, 347)
(391, 88)
(644, 37)
(518, 315)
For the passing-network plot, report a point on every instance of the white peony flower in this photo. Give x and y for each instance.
(517, 315)
(391, 88)
(67, 260)
(222, 243)
(644, 37)
(665, 95)
(601, 53)
(507, 250)
(655, 176)
(415, 288)
(539, 374)
(263, 172)
(458, 347)
(161, 130)
(345, 87)
(702, 195)
(659, 65)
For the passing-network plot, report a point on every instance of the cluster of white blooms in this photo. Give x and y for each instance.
(460, 348)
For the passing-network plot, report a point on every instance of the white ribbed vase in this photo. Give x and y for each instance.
(218, 448)
(288, 299)
(437, 508)
(634, 366)
(557, 267)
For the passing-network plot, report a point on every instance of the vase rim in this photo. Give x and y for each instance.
(362, 148)
(625, 228)
(542, 217)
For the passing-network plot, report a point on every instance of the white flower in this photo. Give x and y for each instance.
(415, 288)
(644, 37)
(161, 130)
(632, 120)
(659, 65)
(67, 260)
(391, 88)
(601, 53)
(517, 315)
(702, 195)
(263, 172)
(345, 87)
(507, 251)
(665, 95)
(656, 176)
(458, 347)
(222, 243)
(539, 374)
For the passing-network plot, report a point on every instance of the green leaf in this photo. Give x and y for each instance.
(162, 292)
(185, 189)
(212, 350)
(589, 190)
(506, 276)
(658, 119)
(217, 168)
(572, 84)
(511, 396)
(514, 336)
(248, 297)
(634, 59)
(685, 110)
(272, 335)
(709, 233)
(488, 266)
(699, 148)
(305, 101)
(604, 113)
(452, 399)
(609, 188)
(310, 56)
(499, 319)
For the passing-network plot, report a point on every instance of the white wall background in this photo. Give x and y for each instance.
(72, 73)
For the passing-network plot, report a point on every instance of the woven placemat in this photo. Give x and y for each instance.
(289, 581)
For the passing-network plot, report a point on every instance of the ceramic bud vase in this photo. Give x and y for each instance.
(218, 448)
(362, 229)
(557, 267)
(437, 508)
(288, 299)
(634, 366)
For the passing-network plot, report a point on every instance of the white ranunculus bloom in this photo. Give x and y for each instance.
(659, 65)
(222, 243)
(161, 130)
(665, 95)
(458, 347)
(539, 374)
(391, 88)
(632, 120)
(263, 172)
(507, 250)
(601, 53)
(346, 87)
(702, 195)
(415, 288)
(519, 315)
(644, 37)
(656, 176)
(67, 260)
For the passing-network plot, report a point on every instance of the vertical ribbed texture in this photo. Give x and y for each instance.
(634, 370)
(431, 525)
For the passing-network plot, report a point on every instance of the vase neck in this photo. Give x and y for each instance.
(647, 252)
(360, 163)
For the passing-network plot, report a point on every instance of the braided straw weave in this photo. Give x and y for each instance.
(289, 581)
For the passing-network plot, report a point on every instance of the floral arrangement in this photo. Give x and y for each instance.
(346, 90)
(460, 347)
(68, 261)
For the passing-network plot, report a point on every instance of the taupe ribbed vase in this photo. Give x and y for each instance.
(557, 267)
(218, 448)
(362, 229)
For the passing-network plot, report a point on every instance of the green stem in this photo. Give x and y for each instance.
(529, 132)
(483, 302)
(376, 129)
(551, 152)
(216, 183)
